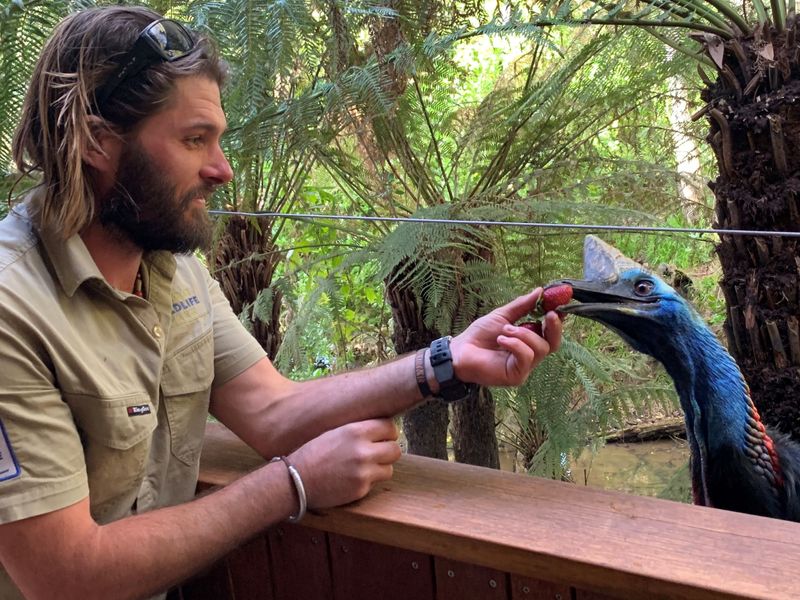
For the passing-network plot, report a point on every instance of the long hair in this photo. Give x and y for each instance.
(55, 127)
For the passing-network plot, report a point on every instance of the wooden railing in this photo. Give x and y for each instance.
(447, 531)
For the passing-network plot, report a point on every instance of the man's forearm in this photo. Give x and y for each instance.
(328, 402)
(145, 554)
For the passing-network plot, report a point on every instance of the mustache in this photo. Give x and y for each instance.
(202, 191)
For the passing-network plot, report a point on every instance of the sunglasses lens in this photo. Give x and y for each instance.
(163, 40)
(169, 38)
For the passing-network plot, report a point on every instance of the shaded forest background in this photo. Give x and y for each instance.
(468, 111)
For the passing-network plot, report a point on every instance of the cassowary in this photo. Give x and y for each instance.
(736, 463)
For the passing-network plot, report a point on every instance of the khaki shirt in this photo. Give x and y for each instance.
(103, 393)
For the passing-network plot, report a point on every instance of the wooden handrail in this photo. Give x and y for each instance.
(613, 543)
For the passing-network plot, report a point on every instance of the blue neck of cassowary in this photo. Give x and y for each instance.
(707, 380)
(711, 382)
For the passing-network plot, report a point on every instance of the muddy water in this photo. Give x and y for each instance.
(643, 469)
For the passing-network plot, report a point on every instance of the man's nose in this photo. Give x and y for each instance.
(217, 170)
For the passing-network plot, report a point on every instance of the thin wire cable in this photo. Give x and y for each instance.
(576, 226)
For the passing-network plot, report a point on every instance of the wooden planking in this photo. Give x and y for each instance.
(211, 584)
(621, 545)
(528, 588)
(463, 581)
(249, 568)
(584, 595)
(300, 566)
(224, 458)
(367, 571)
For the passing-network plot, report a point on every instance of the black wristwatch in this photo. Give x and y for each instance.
(450, 387)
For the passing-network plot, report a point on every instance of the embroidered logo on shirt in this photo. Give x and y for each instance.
(139, 409)
(187, 305)
(8, 462)
(184, 304)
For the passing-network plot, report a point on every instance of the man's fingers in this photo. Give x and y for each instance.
(528, 339)
(386, 453)
(552, 330)
(379, 430)
(382, 473)
(524, 353)
(519, 307)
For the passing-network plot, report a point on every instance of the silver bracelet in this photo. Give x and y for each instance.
(298, 486)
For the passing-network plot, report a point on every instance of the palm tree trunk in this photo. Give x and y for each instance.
(755, 137)
(474, 437)
(245, 262)
(425, 427)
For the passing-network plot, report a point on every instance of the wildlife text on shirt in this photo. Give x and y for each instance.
(186, 305)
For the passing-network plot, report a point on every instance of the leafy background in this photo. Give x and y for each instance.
(466, 112)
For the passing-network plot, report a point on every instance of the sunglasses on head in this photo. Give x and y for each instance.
(163, 40)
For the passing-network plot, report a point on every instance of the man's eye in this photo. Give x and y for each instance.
(194, 140)
(643, 287)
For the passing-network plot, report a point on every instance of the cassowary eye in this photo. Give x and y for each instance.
(643, 287)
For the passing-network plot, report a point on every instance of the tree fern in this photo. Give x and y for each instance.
(24, 27)
(575, 398)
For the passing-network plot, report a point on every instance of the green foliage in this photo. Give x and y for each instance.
(442, 264)
(331, 293)
(24, 27)
(663, 17)
(339, 316)
(574, 397)
(523, 149)
(467, 116)
(272, 107)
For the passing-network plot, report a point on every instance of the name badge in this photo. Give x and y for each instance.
(8, 462)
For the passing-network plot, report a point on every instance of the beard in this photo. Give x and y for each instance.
(144, 207)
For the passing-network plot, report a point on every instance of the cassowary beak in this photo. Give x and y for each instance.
(602, 294)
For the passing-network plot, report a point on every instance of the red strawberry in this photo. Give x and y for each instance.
(555, 296)
(534, 326)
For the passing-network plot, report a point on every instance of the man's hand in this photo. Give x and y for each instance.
(493, 351)
(343, 464)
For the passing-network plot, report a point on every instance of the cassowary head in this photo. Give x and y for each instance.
(736, 463)
(631, 300)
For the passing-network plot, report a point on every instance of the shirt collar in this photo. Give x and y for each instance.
(71, 261)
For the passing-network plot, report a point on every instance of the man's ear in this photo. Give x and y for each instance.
(101, 150)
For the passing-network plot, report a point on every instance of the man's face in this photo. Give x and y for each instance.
(147, 208)
(167, 172)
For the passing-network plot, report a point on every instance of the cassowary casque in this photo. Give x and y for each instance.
(736, 463)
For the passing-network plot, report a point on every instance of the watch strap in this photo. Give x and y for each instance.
(450, 387)
(419, 373)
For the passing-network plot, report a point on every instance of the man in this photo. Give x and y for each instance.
(117, 342)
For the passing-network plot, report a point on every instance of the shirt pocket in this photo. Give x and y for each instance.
(119, 423)
(186, 391)
(116, 435)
